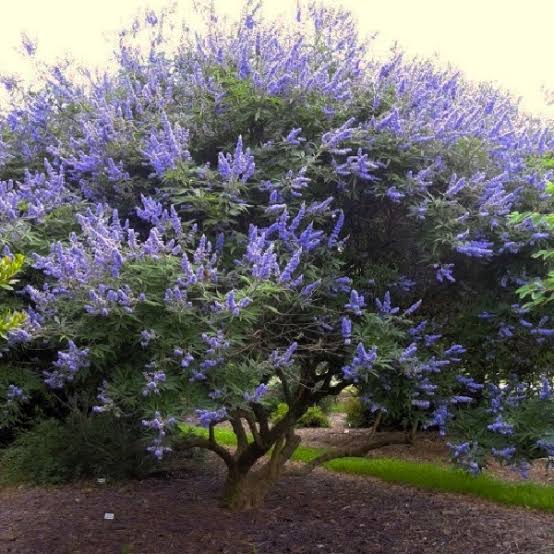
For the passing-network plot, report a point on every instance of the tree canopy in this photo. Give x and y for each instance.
(268, 210)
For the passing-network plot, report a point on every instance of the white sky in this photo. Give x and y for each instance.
(509, 42)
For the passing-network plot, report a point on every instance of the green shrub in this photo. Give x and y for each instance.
(280, 412)
(53, 452)
(356, 413)
(314, 416)
(327, 404)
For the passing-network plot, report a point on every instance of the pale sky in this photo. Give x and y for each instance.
(509, 42)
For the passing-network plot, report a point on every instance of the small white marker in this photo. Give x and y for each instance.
(108, 515)
(101, 480)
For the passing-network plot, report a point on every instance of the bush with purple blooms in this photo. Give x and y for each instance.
(268, 205)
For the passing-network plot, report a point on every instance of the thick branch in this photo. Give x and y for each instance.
(351, 452)
(261, 416)
(275, 436)
(253, 427)
(330, 391)
(208, 444)
(242, 439)
(277, 447)
(377, 422)
(282, 451)
(290, 446)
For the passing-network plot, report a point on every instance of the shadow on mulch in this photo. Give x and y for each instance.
(322, 513)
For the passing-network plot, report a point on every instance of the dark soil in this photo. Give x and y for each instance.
(321, 513)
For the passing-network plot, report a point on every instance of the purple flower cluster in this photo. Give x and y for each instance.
(154, 378)
(501, 426)
(103, 300)
(206, 418)
(15, 394)
(105, 402)
(231, 305)
(238, 166)
(463, 454)
(166, 147)
(257, 394)
(362, 363)
(67, 365)
(280, 359)
(159, 425)
(385, 306)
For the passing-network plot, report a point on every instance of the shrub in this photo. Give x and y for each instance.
(314, 417)
(357, 414)
(280, 412)
(55, 452)
(326, 404)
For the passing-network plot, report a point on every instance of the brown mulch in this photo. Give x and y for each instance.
(322, 513)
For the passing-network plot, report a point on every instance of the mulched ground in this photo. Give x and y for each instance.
(429, 447)
(322, 513)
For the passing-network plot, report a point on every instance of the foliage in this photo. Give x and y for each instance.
(280, 412)
(313, 417)
(356, 413)
(337, 407)
(9, 266)
(539, 292)
(267, 206)
(526, 420)
(10, 322)
(53, 452)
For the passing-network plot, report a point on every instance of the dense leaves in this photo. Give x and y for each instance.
(268, 205)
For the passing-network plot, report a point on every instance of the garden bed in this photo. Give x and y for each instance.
(324, 512)
(428, 447)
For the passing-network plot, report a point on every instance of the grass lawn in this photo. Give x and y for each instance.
(422, 475)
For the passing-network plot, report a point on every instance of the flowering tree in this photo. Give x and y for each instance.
(267, 208)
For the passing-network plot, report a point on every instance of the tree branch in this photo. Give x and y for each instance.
(208, 444)
(377, 422)
(351, 452)
(242, 439)
(253, 427)
(261, 416)
(282, 451)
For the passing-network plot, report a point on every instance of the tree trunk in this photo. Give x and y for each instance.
(246, 489)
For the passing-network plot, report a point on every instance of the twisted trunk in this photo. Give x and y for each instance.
(245, 488)
(245, 491)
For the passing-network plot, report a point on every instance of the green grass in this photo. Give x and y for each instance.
(435, 478)
(426, 476)
(226, 437)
